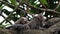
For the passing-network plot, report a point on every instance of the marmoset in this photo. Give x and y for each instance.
(19, 24)
(35, 23)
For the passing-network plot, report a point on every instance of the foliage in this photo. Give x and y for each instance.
(23, 7)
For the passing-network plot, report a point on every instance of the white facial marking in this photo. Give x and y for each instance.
(36, 15)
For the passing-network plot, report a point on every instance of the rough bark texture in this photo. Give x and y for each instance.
(30, 31)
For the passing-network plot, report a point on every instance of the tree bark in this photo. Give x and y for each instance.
(33, 31)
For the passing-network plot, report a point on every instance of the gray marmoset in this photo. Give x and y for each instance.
(36, 22)
(19, 24)
(51, 22)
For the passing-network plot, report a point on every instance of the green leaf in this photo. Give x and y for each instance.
(2, 26)
(35, 5)
(44, 2)
(32, 12)
(1, 6)
(13, 2)
(58, 9)
(32, 2)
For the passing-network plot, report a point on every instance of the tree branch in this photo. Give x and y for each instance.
(39, 9)
(11, 6)
(57, 5)
(53, 28)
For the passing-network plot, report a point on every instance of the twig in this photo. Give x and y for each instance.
(39, 9)
(4, 20)
(35, 8)
(57, 5)
(11, 6)
(11, 13)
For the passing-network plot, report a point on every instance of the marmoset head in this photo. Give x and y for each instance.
(22, 20)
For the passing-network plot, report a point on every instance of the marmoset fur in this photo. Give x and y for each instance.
(51, 22)
(35, 23)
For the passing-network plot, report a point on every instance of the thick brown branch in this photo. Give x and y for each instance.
(53, 28)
